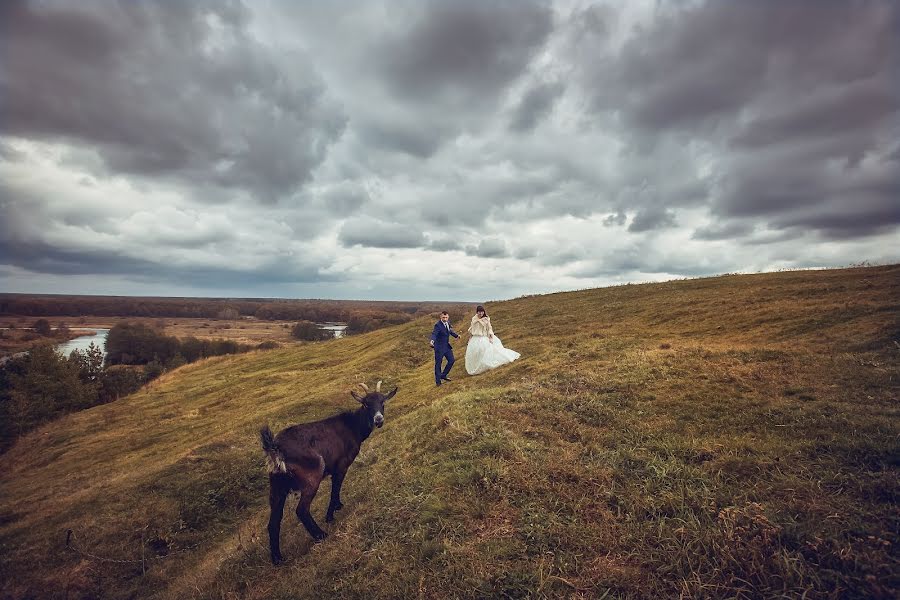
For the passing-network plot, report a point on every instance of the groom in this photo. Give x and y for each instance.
(440, 341)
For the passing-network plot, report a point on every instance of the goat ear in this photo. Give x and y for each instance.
(391, 395)
(357, 397)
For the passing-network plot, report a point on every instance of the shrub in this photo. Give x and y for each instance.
(118, 381)
(42, 327)
(309, 331)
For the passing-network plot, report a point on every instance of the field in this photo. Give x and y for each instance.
(729, 437)
(244, 331)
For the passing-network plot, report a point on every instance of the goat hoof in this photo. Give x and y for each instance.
(277, 560)
(320, 536)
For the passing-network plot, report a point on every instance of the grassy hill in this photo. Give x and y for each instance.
(725, 437)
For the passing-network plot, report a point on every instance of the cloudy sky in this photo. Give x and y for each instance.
(466, 150)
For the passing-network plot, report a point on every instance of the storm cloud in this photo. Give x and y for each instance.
(352, 150)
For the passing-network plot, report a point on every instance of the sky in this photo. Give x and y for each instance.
(470, 150)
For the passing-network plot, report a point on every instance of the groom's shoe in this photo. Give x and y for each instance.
(437, 383)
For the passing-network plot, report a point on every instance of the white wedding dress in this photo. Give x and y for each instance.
(485, 350)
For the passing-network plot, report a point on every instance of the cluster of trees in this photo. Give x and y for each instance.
(365, 321)
(43, 385)
(309, 331)
(140, 344)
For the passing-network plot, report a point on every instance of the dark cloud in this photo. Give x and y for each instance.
(463, 52)
(41, 257)
(649, 218)
(791, 103)
(535, 104)
(447, 66)
(720, 231)
(165, 90)
(488, 248)
(378, 234)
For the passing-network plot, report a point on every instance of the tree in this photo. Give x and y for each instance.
(89, 362)
(118, 381)
(43, 385)
(42, 327)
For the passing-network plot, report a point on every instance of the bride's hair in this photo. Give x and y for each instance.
(479, 309)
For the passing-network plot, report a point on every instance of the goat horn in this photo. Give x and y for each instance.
(363, 386)
(378, 386)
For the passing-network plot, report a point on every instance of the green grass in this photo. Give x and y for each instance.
(731, 437)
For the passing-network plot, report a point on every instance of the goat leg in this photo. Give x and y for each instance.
(306, 498)
(277, 496)
(337, 479)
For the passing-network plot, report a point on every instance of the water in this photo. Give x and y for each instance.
(337, 328)
(82, 342)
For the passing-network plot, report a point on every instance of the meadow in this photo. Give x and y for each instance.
(726, 437)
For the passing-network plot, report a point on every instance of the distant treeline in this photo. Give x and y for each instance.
(213, 308)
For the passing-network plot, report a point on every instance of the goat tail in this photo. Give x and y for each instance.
(274, 458)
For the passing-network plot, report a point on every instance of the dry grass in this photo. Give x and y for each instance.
(732, 437)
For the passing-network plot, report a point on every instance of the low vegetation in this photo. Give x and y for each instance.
(729, 437)
(310, 332)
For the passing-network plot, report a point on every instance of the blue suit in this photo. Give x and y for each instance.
(440, 335)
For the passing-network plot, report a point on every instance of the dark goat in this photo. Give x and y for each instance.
(302, 455)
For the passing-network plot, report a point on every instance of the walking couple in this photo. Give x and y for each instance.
(485, 351)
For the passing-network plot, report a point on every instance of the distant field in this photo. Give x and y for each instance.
(245, 331)
(728, 437)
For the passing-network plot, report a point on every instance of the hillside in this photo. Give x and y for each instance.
(724, 437)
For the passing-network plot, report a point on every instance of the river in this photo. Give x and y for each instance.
(82, 342)
(333, 326)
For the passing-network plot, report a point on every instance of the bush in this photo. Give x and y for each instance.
(42, 327)
(138, 344)
(309, 331)
(118, 381)
(153, 369)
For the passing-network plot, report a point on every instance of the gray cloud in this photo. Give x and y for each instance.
(792, 93)
(488, 248)
(535, 104)
(461, 53)
(652, 218)
(163, 90)
(378, 234)
(444, 245)
(281, 145)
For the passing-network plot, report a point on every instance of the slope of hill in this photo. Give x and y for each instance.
(724, 437)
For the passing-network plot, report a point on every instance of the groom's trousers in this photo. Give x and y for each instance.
(439, 356)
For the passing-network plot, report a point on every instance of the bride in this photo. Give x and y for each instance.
(485, 350)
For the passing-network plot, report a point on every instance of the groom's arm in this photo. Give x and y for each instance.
(434, 333)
